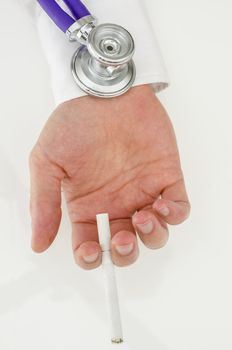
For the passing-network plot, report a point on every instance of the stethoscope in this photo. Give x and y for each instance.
(102, 66)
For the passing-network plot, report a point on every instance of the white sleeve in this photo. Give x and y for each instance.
(58, 50)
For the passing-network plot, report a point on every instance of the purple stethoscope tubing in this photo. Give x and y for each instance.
(59, 16)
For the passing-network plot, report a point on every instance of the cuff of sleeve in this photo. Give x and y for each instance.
(59, 51)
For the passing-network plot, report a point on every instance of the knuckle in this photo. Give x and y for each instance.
(88, 267)
(37, 158)
(158, 245)
(186, 212)
(127, 261)
(33, 157)
(85, 266)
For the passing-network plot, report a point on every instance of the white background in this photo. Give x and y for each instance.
(178, 298)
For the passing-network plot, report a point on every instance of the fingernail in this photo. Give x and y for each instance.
(91, 258)
(164, 211)
(146, 228)
(124, 249)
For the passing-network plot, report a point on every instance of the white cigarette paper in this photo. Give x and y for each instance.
(103, 226)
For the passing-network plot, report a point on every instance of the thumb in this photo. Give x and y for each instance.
(45, 201)
(173, 206)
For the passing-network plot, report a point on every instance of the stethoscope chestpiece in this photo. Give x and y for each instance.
(111, 44)
(104, 66)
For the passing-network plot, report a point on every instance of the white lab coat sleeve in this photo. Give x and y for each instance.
(131, 14)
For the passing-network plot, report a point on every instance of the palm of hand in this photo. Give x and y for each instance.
(117, 156)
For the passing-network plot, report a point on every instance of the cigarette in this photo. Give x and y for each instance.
(103, 226)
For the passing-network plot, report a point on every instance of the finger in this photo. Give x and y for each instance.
(86, 249)
(124, 245)
(88, 255)
(152, 231)
(173, 206)
(45, 200)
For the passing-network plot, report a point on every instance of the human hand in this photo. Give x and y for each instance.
(108, 155)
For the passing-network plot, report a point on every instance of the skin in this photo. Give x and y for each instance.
(118, 156)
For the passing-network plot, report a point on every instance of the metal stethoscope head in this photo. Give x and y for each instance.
(102, 66)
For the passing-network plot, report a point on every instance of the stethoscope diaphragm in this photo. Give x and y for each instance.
(94, 78)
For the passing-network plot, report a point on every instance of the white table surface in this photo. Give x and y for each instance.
(177, 298)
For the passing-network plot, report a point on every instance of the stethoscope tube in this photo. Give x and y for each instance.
(78, 9)
(60, 17)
